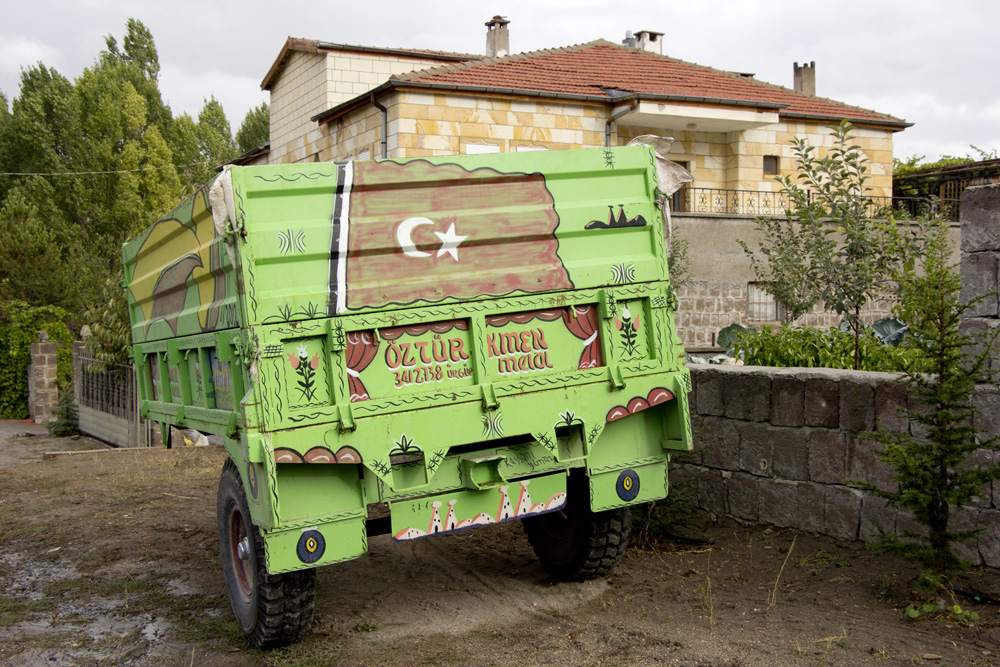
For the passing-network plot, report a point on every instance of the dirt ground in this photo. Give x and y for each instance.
(111, 559)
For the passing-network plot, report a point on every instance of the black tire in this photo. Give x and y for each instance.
(576, 544)
(272, 609)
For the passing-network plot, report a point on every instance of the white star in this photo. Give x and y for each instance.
(449, 242)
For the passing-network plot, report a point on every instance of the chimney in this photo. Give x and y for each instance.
(629, 39)
(650, 40)
(497, 37)
(804, 78)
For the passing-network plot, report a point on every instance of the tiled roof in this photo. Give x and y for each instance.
(602, 69)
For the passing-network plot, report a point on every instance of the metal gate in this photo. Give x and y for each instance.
(108, 401)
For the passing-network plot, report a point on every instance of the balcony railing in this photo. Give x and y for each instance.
(748, 202)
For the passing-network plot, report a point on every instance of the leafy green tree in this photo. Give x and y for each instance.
(105, 169)
(829, 248)
(32, 264)
(255, 129)
(215, 140)
(932, 467)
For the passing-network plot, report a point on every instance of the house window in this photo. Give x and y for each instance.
(762, 306)
(771, 165)
(365, 155)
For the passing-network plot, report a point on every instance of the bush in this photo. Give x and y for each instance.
(19, 327)
(832, 348)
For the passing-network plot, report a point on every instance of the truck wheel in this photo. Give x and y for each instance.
(272, 609)
(576, 544)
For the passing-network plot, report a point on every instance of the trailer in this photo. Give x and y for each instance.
(415, 347)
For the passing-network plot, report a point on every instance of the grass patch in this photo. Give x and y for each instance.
(13, 610)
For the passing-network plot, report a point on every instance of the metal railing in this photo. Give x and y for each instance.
(748, 202)
(108, 401)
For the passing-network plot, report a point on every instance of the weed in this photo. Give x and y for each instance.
(366, 626)
(707, 602)
(822, 559)
(773, 597)
(883, 587)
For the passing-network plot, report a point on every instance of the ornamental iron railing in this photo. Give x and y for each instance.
(720, 201)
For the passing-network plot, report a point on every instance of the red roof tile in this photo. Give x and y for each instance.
(598, 69)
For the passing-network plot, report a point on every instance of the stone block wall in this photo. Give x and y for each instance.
(43, 394)
(776, 446)
(980, 220)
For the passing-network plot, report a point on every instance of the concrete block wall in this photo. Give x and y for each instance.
(776, 446)
(43, 394)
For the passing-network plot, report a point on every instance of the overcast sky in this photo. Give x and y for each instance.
(929, 62)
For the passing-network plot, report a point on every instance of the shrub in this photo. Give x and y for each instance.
(831, 348)
(19, 327)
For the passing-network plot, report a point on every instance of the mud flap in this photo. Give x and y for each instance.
(628, 486)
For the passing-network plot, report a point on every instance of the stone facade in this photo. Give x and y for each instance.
(422, 124)
(777, 446)
(311, 82)
(735, 160)
(310, 78)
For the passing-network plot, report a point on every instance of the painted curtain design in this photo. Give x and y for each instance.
(361, 350)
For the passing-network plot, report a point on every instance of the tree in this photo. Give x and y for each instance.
(32, 266)
(829, 248)
(931, 468)
(255, 129)
(104, 168)
(215, 142)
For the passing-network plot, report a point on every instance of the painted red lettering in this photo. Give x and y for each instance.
(422, 346)
(491, 343)
(457, 353)
(538, 339)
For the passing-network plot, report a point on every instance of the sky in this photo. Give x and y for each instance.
(927, 62)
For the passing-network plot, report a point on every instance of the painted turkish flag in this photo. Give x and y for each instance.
(417, 231)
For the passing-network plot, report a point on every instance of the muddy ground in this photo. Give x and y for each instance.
(111, 559)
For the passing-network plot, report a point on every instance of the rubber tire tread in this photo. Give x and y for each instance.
(588, 544)
(282, 606)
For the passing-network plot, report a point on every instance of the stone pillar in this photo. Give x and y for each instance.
(43, 395)
(980, 219)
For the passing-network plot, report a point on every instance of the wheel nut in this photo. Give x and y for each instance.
(243, 549)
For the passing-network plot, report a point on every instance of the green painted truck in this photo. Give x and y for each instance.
(415, 347)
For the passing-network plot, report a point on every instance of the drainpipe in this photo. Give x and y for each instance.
(615, 116)
(385, 125)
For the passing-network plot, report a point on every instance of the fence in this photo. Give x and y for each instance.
(108, 401)
(749, 202)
